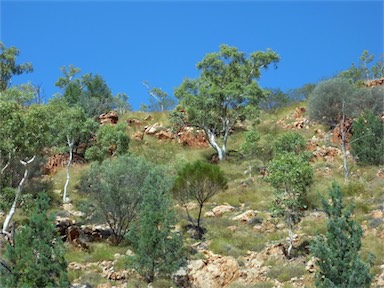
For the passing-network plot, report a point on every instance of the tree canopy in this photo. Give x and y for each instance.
(226, 89)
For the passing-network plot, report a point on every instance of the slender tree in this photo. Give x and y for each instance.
(198, 181)
(291, 175)
(337, 251)
(70, 125)
(158, 250)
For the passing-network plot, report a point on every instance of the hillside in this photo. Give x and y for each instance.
(244, 246)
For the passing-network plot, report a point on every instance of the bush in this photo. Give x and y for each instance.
(326, 103)
(290, 142)
(368, 139)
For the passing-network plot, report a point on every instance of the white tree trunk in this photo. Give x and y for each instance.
(221, 151)
(18, 193)
(290, 232)
(70, 148)
(343, 145)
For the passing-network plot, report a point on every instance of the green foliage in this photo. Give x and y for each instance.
(117, 187)
(111, 140)
(8, 66)
(273, 100)
(291, 142)
(365, 70)
(251, 144)
(160, 101)
(368, 139)
(158, 250)
(21, 94)
(37, 257)
(89, 92)
(291, 175)
(338, 251)
(225, 91)
(303, 93)
(198, 181)
(326, 103)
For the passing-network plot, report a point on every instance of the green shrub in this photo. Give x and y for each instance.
(368, 139)
(286, 272)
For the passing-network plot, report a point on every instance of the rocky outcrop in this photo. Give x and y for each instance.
(374, 82)
(192, 137)
(295, 121)
(110, 117)
(60, 160)
(215, 271)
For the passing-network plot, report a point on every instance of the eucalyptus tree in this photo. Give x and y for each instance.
(70, 126)
(225, 91)
(9, 67)
(23, 135)
(160, 100)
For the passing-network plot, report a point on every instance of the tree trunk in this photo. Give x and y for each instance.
(221, 151)
(290, 232)
(70, 148)
(344, 145)
(18, 193)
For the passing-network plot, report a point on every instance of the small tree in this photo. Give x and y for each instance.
(339, 263)
(368, 139)
(37, 257)
(117, 186)
(291, 175)
(198, 181)
(70, 125)
(160, 100)
(158, 250)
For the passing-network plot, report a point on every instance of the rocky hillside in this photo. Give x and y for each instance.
(244, 246)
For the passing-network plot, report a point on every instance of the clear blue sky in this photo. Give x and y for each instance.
(161, 41)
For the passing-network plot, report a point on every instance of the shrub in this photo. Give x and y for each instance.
(326, 103)
(368, 139)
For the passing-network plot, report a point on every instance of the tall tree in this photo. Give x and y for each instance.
(158, 250)
(9, 67)
(70, 125)
(198, 181)
(225, 91)
(339, 263)
(291, 175)
(37, 257)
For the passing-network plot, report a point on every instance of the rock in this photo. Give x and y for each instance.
(109, 118)
(215, 271)
(152, 129)
(129, 253)
(147, 118)
(374, 82)
(133, 122)
(209, 214)
(191, 137)
(311, 265)
(138, 135)
(165, 135)
(380, 173)
(245, 217)
(232, 228)
(377, 214)
(221, 209)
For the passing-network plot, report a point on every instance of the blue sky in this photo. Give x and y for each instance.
(127, 42)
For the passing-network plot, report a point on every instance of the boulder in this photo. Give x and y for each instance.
(246, 216)
(221, 209)
(215, 271)
(110, 117)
